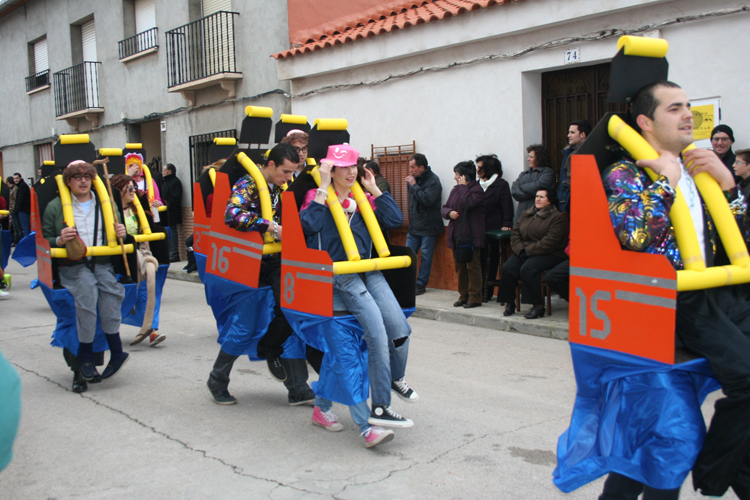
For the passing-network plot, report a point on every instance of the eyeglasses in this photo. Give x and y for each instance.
(302, 149)
(740, 162)
(78, 177)
(720, 139)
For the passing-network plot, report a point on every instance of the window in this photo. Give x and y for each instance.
(39, 66)
(43, 153)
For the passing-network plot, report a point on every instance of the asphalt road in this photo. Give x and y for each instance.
(491, 408)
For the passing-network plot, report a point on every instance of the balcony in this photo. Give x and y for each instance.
(37, 83)
(77, 94)
(201, 54)
(139, 45)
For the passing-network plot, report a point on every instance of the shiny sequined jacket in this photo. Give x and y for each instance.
(243, 211)
(639, 209)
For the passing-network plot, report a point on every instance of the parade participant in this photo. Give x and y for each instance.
(299, 140)
(192, 266)
(367, 297)
(91, 280)
(710, 323)
(126, 186)
(243, 213)
(134, 167)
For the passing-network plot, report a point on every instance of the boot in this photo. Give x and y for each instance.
(191, 265)
(296, 382)
(79, 383)
(536, 312)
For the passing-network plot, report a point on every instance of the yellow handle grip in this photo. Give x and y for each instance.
(644, 47)
(225, 141)
(149, 237)
(364, 266)
(296, 119)
(370, 220)
(49, 162)
(687, 240)
(4, 212)
(134, 145)
(266, 210)
(212, 176)
(110, 152)
(342, 223)
(331, 123)
(259, 111)
(270, 248)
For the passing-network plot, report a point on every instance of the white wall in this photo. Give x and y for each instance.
(495, 106)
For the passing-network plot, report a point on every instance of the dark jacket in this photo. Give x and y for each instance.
(424, 205)
(563, 189)
(498, 205)
(23, 198)
(528, 183)
(383, 184)
(475, 217)
(540, 232)
(744, 186)
(171, 195)
(728, 161)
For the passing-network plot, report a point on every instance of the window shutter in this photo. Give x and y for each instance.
(41, 61)
(88, 36)
(145, 15)
(214, 6)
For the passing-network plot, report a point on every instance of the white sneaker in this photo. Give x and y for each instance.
(402, 389)
(4, 295)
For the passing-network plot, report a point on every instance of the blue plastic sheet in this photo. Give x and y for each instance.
(63, 305)
(25, 252)
(135, 315)
(634, 416)
(242, 316)
(5, 250)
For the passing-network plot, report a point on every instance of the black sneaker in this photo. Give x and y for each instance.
(403, 390)
(276, 368)
(302, 398)
(223, 398)
(420, 290)
(385, 417)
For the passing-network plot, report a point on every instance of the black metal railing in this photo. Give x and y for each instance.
(39, 80)
(138, 43)
(200, 49)
(199, 151)
(77, 88)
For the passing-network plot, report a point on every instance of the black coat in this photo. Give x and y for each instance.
(171, 195)
(498, 205)
(474, 219)
(424, 205)
(23, 198)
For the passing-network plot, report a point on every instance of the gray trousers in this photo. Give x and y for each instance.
(90, 289)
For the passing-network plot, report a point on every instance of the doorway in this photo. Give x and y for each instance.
(570, 94)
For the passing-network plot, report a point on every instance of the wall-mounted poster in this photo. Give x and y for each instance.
(706, 115)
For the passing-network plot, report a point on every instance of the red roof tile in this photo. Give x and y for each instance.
(408, 13)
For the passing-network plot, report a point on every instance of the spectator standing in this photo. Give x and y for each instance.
(382, 182)
(498, 209)
(742, 171)
(425, 222)
(577, 133)
(466, 212)
(722, 139)
(15, 229)
(22, 206)
(171, 193)
(538, 176)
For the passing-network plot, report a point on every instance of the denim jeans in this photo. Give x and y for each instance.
(359, 412)
(386, 330)
(427, 245)
(25, 223)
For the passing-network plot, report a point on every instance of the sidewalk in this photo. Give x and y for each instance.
(438, 305)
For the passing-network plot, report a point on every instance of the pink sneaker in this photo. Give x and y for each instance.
(327, 420)
(377, 435)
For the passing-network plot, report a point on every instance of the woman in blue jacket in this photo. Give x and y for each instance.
(367, 297)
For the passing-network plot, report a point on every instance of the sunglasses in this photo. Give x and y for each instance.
(130, 189)
(78, 177)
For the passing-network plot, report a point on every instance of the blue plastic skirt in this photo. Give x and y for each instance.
(242, 315)
(634, 416)
(25, 252)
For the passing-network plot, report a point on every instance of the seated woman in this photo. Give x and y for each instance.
(126, 185)
(465, 210)
(538, 241)
(368, 297)
(498, 212)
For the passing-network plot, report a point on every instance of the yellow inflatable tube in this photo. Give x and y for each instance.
(644, 47)
(141, 216)
(342, 224)
(67, 207)
(370, 221)
(110, 152)
(140, 238)
(4, 212)
(74, 139)
(61, 253)
(225, 141)
(296, 119)
(109, 218)
(259, 111)
(364, 266)
(331, 123)
(726, 225)
(687, 240)
(712, 277)
(212, 175)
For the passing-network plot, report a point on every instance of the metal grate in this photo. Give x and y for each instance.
(199, 151)
(201, 49)
(138, 43)
(394, 166)
(39, 80)
(77, 88)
